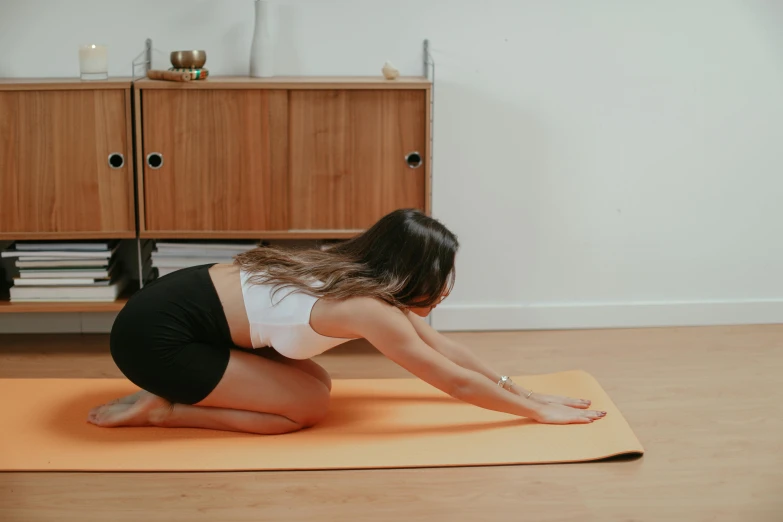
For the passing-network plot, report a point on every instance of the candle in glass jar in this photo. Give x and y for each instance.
(94, 62)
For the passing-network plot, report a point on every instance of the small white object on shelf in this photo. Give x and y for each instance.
(261, 50)
(389, 71)
(94, 62)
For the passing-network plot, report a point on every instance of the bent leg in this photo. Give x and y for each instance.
(151, 410)
(255, 395)
(305, 365)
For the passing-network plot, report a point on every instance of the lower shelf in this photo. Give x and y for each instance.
(74, 307)
(7, 307)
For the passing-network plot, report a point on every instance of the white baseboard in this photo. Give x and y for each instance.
(610, 315)
(495, 317)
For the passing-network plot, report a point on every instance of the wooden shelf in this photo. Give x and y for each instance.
(65, 236)
(7, 307)
(243, 234)
(61, 84)
(290, 82)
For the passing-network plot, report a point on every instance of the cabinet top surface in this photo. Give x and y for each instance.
(37, 84)
(219, 82)
(290, 82)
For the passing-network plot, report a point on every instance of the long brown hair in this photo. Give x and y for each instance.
(406, 259)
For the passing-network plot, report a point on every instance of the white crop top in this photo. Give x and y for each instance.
(285, 323)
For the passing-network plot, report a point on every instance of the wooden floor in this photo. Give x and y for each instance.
(705, 403)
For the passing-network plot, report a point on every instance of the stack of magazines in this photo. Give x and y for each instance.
(65, 271)
(170, 256)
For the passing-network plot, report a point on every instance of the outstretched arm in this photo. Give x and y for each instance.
(390, 331)
(454, 351)
(465, 357)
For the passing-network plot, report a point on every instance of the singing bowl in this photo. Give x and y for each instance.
(188, 59)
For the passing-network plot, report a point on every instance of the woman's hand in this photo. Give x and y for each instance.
(561, 414)
(581, 404)
(542, 398)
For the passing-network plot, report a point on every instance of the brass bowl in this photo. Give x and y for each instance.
(188, 59)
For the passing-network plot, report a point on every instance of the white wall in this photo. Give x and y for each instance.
(605, 163)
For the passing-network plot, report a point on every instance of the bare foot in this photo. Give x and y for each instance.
(146, 410)
(129, 399)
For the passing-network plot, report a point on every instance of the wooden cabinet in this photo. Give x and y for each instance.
(276, 158)
(279, 158)
(65, 160)
(355, 156)
(220, 161)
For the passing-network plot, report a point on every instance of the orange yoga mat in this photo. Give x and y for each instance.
(374, 423)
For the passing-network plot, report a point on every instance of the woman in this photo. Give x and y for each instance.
(191, 340)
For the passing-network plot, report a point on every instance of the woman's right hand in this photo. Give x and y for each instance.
(560, 414)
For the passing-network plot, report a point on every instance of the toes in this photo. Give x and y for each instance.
(96, 414)
(93, 416)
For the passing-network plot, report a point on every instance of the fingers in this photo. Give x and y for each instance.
(581, 404)
(588, 417)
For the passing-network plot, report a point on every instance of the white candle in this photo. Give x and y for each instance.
(94, 62)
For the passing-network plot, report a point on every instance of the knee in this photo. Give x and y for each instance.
(323, 376)
(313, 409)
(316, 370)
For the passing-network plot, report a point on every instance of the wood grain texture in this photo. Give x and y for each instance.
(703, 401)
(56, 179)
(225, 160)
(428, 155)
(130, 159)
(35, 236)
(348, 152)
(290, 82)
(7, 307)
(253, 234)
(138, 156)
(60, 84)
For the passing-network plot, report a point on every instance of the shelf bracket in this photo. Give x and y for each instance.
(143, 59)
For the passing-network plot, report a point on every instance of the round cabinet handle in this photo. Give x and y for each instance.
(154, 160)
(116, 160)
(414, 160)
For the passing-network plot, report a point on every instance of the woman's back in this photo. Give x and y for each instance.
(258, 318)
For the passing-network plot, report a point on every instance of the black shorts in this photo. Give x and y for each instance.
(172, 337)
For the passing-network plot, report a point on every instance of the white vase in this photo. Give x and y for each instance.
(261, 51)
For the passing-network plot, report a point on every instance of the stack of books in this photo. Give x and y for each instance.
(170, 256)
(65, 271)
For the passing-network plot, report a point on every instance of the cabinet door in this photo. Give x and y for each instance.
(224, 161)
(348, 156)
(55, 176)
